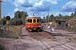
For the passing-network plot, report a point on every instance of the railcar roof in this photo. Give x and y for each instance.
(33, 17)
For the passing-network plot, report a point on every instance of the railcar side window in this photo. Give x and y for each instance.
(38, 20)
(29, 20)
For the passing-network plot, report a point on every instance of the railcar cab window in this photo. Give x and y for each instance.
(29, 20)
(34, 20)
(38, 20)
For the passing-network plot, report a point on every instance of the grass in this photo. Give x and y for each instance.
(72, 28)
(72, 24)
(12, 32)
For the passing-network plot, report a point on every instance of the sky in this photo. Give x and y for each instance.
(38, 7)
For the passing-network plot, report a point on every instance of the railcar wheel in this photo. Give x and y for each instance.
(39, 30)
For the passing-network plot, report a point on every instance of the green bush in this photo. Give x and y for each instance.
(72, 28)
(18, 22)
(13, 32)
(4, 22)
(1, 22)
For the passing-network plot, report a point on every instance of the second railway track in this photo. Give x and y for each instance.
(45, 35)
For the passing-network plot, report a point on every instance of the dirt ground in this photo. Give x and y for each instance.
(62, 40)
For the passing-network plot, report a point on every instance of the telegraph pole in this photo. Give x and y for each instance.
(0, 9)
(48, 16)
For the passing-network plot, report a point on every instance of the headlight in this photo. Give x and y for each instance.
(28, 26)
(39, 26)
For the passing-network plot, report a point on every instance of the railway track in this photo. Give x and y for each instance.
(41, 35)
(36, 36)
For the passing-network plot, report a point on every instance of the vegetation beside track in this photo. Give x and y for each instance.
(72, 24)
(11, 31)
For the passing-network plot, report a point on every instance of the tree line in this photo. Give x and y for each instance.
(18, 19)
(50, 18)
(20, 16)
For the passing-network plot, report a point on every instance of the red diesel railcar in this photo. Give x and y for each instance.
(33, 23)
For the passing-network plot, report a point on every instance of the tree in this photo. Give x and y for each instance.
(60, 17)
(4, 22)
(24, 15)
(75, 13)
(47, 18)
(19, 17)
(51, 18)
(43, 20)
(72, 14)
